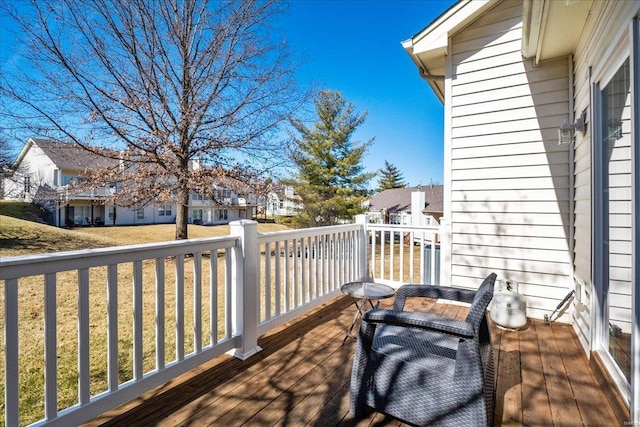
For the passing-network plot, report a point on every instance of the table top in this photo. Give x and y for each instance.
(367, 290)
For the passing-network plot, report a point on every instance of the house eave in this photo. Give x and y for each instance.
(429, 48)
(551, 29)
(23, 153)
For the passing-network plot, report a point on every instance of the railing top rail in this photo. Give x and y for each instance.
(400, 227)
(306, 232)
(30, 265)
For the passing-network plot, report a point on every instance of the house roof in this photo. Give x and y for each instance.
(67, 155)
(551, 29)
(399, 199)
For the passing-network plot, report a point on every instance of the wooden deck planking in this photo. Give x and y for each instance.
(302, 378)
(574, 358)
(509, 389)
(564, 410)
(536, 408)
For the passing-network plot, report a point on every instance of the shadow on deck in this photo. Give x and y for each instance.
(302, 378)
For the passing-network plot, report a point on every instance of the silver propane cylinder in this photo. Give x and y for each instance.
(509, 308)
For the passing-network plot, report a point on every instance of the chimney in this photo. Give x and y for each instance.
(417, 205)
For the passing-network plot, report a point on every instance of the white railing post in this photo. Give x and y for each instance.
(362, 248)
(445, 252)
(244, 288)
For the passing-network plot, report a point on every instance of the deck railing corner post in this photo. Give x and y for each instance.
(245, 289)
(363, 254)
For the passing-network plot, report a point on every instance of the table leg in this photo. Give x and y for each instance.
(360, 309)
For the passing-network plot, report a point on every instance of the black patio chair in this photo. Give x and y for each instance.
(424, 369)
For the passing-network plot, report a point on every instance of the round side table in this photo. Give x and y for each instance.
(361, 293)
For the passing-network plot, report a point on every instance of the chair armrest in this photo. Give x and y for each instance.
(420, 320)
(429, 291)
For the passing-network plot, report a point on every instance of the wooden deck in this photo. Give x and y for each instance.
(302, 378)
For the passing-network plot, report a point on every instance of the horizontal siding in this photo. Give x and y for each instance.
(518, 89)
(513, 172)
(508, 112)
(534, 195)
(508, 149)
(508, 217)
(509, 14)
(509, 178)
(507, 184)
(494, 104)
(507, 161)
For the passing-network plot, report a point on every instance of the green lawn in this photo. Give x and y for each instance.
(21, 210)
(21, 237)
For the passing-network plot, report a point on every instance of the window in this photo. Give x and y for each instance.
(112, 212)
(196, 196)
(614, 214)
(140, 213)
(223, 214)
(196, 215)
(165, 210)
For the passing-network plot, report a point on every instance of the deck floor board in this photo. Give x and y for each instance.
(301, 378)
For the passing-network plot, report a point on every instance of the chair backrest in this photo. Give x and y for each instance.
(481, 301)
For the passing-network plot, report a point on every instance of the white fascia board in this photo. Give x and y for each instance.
(23, 152)
(436, 35)
(532, 12)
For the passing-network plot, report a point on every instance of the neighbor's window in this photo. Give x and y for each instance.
(140, 213)
(165, 210)
(223, 214)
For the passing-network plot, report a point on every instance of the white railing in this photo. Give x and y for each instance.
(148, 313)
(302, 269)
(66, 193)
(401, 254)
(135, 277)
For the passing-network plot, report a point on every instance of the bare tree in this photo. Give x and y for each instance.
(159, 85)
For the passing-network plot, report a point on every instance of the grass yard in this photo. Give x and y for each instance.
(20, 210)
(22, 237)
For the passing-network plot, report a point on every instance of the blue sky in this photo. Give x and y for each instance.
(355, 47)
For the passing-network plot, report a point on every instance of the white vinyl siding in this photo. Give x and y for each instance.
(509, 207)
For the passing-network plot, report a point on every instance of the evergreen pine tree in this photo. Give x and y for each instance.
(330, 178)
(391, 177)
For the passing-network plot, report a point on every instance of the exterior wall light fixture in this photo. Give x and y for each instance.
(567, 131)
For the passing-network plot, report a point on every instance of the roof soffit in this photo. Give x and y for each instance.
(552, 28)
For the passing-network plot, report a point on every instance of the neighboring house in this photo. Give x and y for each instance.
(281, 200)
(53, 166)
(555, 218)
(49, 168)
(228, 202)
(397, 205)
